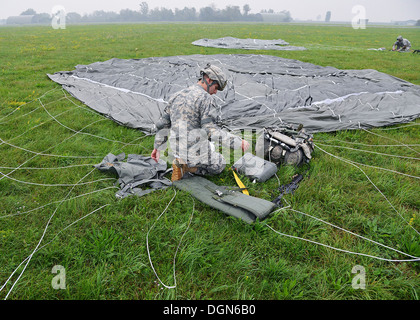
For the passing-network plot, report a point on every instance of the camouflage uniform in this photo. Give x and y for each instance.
(402, 44)
(191, 117)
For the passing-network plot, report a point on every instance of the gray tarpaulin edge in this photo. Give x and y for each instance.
(247, 44)
(262, 91)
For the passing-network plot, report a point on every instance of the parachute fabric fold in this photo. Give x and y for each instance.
(247, 44)
(262, 91)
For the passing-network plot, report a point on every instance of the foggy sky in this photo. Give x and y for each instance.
(376, 10)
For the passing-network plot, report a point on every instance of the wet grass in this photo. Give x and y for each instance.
(104, 252)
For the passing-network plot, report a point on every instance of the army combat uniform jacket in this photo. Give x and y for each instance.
(190, 120)
(403, 44)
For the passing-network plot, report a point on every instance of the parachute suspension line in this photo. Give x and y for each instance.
(355, 234)
(131, 143)
(47, 154)
(391, 140)
(35, 154)
(30, 256)
(51, 168)
(338, 249)
(58, 201)
(367, 165)
(353, 164)
(179, 244)
(410, 124)
(373, 152)
(288, 207)
(73, 130)
(43, 234)
(384, 154)
(52, 155)
(18, 108)
(43, 152)
(368, 145)
(38, 125)
(54, 185)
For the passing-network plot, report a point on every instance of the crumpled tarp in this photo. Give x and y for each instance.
(247, 44)
(138, 175)
(262, 91)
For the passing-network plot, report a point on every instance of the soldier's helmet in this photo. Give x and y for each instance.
(400, 38)
(215, 74)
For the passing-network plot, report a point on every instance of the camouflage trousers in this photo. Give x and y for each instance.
(215, 165)
(201, 156)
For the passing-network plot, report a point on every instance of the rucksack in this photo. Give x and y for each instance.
(285, 145)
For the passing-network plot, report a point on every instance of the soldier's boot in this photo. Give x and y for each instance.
(179, 168)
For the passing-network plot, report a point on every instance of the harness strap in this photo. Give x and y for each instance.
(208, 84)
(240, 184)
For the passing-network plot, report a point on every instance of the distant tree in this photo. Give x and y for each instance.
(44, 18)
(166, 14)
(128, 15)
(270, 15)
(28, 12)
(186, 14)
(287, 17)
(267, 11)
(73, 17)
(102, 16)
(254, 17)
(161, 14)
(246, 8)
(417, 23)
(144, 8)
(208, 14)
(328, 16)
(231, 13)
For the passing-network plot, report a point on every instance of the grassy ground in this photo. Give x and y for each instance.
(104, 253)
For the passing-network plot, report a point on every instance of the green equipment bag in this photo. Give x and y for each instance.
(231, 202)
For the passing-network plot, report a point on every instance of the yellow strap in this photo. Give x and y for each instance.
(240, 184)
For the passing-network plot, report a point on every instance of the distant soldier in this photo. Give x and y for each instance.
(191, 117)
(401, 45)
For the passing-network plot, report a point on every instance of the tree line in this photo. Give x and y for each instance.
(144, 13)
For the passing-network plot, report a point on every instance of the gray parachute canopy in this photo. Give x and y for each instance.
(248, 44)
(262, 91)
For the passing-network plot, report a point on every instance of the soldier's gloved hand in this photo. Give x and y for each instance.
(155, 155)
(245, 145)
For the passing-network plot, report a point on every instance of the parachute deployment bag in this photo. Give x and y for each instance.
(233, 203)
(255, 168)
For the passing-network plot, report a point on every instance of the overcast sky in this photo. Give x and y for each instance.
(376, 10)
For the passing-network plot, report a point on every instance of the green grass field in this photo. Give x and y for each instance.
(101, 241)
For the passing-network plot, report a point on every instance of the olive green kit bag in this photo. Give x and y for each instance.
(229, 200)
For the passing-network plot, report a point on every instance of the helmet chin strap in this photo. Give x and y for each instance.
(208, 84)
